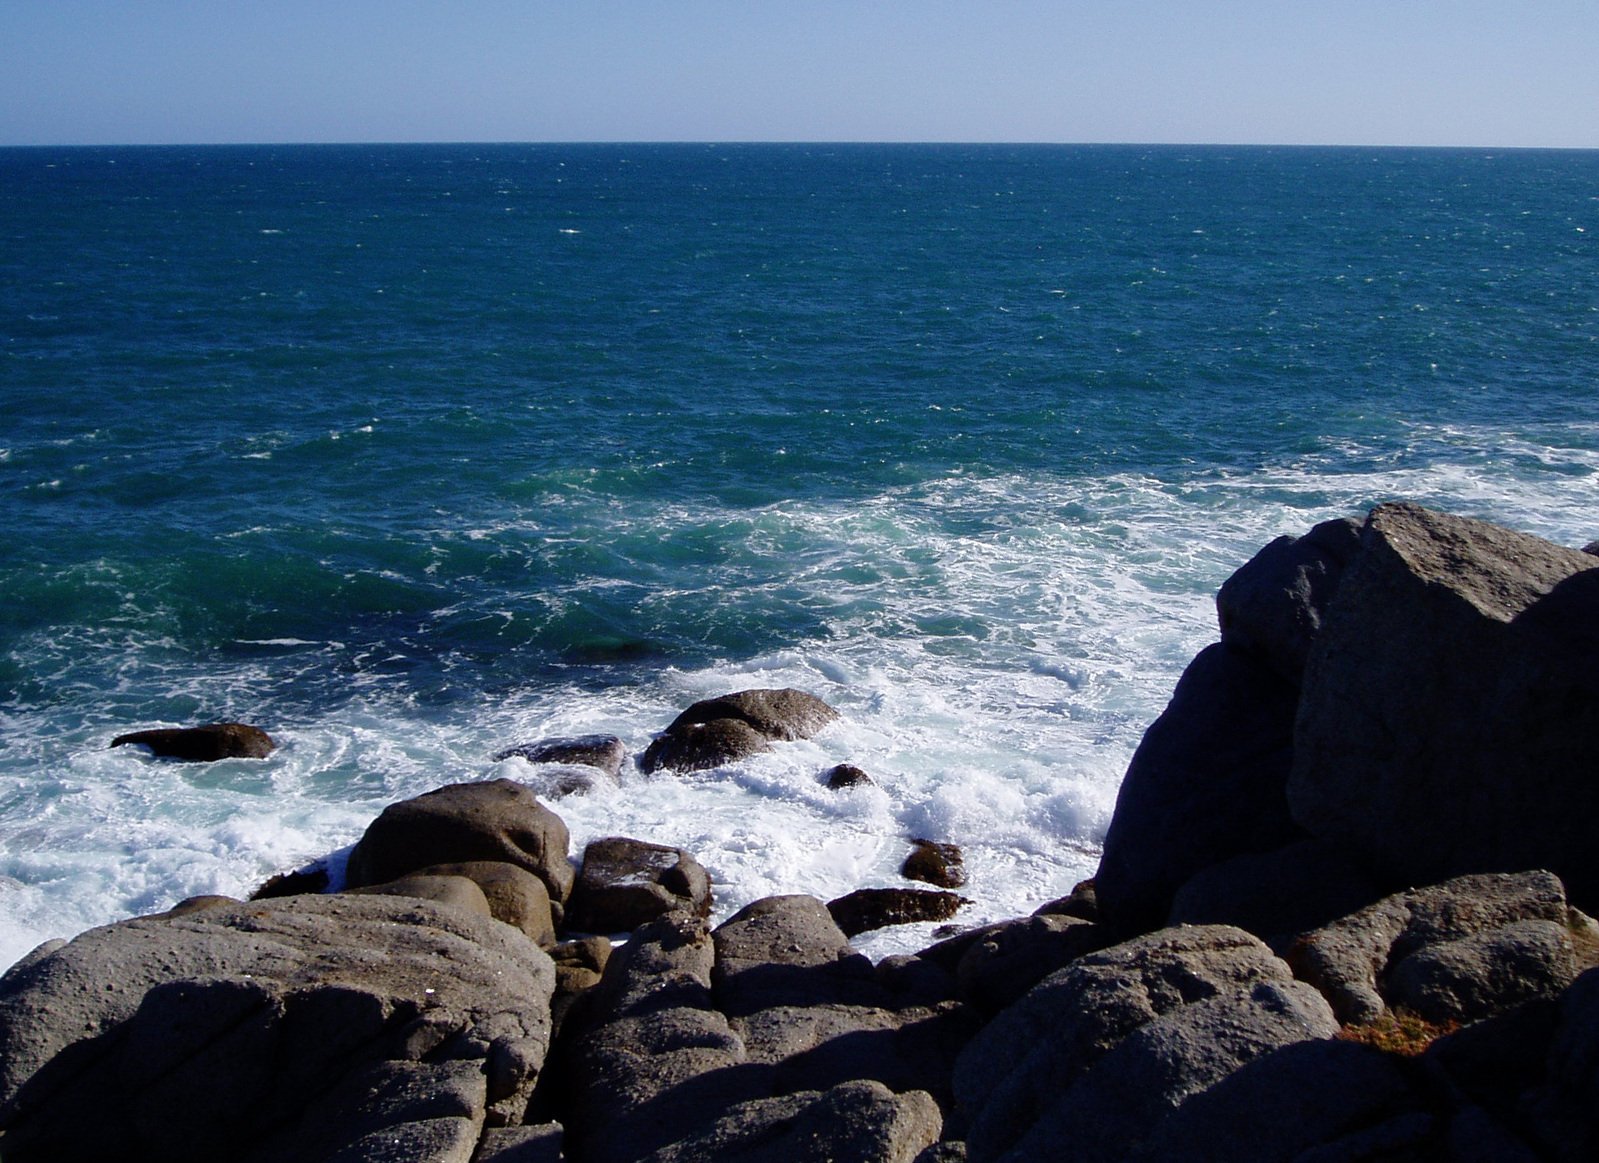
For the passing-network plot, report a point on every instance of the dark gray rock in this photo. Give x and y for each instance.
(1273, 607)
(1031, 1055)
(282, 1029)
(1406, 1138)
(816, 1047)
(782, 713)
(703, 746)
(1206, 784)
(605, 752)
(1283, 1103)
(1013, 956)
(1484, 973)
(652, 1061)
(862, 1122)
(203, 744)
(930, 862)
(1277, 895)
(875, 908)
(1561, 1115)
(496, 820)
(787, 951)
(312, 878)
(540, 1143)
(1478, 957)
(1490, 1071)
(625, 883)
(1449, 720)
(1121, 1101)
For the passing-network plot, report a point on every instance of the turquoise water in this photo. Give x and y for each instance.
(409, 453)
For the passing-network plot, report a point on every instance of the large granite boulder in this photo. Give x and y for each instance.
(625, 883)
(1099, 1053)
(202, 744)
(713, 732)
(1449, 719)
(1274, 605)
(304, 1028)
(815, 1011)
(1459, 951)
(1206, 784)
(498, 820)
(458, 892)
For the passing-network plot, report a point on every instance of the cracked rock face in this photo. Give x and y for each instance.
(299, 1028)
(1449, 718)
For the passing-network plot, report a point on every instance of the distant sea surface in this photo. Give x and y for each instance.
(409, 454)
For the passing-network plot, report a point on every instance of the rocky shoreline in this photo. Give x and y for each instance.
(1342, 914)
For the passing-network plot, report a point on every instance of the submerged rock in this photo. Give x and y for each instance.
(605, 752)
(782, 713)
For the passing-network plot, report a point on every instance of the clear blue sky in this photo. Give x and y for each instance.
(1403, 72)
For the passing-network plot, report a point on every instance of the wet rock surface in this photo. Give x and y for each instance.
(205, 744)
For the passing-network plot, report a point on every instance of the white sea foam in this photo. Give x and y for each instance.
(995, 646)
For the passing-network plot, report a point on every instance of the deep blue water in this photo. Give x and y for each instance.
(403, 450)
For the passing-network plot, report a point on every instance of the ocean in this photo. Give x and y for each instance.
(409, 454)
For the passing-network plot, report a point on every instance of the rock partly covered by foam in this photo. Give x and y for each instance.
(202, 744)
(603, 752)
(716, 731)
